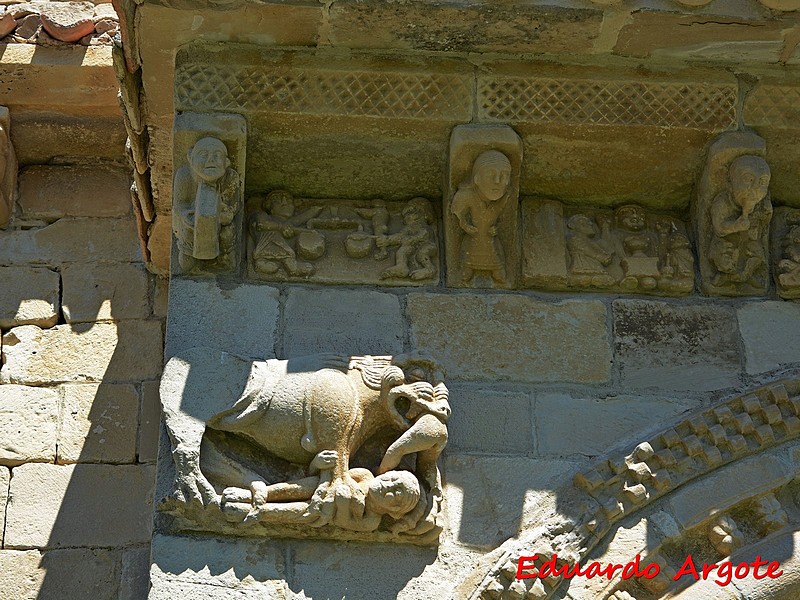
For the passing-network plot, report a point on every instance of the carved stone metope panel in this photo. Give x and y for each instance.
(627, 249)
(8, 168)
(786, 251)
(324, 446)
(209, 158)
(340, 241)
(391, 94)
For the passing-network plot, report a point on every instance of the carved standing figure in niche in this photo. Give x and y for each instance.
(588, 258)
(415, 241)
(274, 227)
(477, 206)
(207, 198)
(740, 217)
(678, 270)
(314, 413)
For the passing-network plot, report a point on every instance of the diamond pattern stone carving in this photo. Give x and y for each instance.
(356, 93)
(597, 102)
(772, 105)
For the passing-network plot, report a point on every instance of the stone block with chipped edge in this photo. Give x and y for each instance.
(108, 352)
(52, 192)
(727, 486)
(770, 331)
(567, 424)
(494, 242)
(101, 292)
(239, 319)
(350, 322)
(149, 423)
(28, 424)
(490, 499)
(72, 240)
(485, 420)
(690, 347)
(160, 296)
(159, 244)
(54, 506)
(512, 337)
(98, 423)
(28, 296)
(68, 573)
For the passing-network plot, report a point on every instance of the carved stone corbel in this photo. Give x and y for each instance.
(8, 168)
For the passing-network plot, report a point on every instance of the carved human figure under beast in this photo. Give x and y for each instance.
(740, 217)
(478, 205)
(207, 197)
(315, 413)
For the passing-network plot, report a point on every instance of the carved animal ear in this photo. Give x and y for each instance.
(392, 377)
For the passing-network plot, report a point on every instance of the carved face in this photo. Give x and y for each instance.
(394, 493)
(631, 218)
(582, 224)
(727, 258)
(678, 241)
(280, 204)
(209, 159)
(491, 174)
(749, 177)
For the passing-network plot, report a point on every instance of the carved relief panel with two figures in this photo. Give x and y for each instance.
(626, 249)
(786, 251)
(342, 241)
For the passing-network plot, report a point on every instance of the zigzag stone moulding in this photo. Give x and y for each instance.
(302, 90)
(625, 483)
(341, 241)
(627, 249)
(512, 99)
(8, 168)
(209, 155)
(264, 448)
(786, 251)
(481, 212)
(732, 215)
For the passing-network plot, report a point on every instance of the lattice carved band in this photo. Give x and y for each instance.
(773, 105)
(597, 102)
(355, 93)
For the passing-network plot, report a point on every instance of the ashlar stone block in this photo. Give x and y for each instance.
(56, 574)
(206, 313)
(512, 338)
(485, 420)
(481, 206)
(672, 347)
(49, 193)
(28, 424)
(54, 506)
(149, 423)
(108, 352)
(207, 193)
(627, 249)
(28, 296)
(98, 423)
(731, 215)
(98, 292)
(337, 241)
(5, 477)
(351, 322)
(770, 331)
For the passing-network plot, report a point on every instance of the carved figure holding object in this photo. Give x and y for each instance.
(207, 198)
(478, 205)
(416, 247)
(588, 258)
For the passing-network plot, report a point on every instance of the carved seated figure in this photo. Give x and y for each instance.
(415, 252)
(588, 258)
(789, 265)
(273, 228)
(314, 413)
(740, 217)
(678, 272)
(207, 198)
(637, 256)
